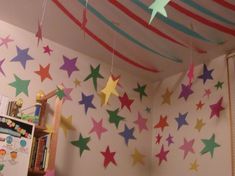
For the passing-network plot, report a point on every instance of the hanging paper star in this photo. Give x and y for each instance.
(141, 122)
(194, 166)
(20, 85)
(210, 145)
(190, 73)
(158, 139)
(187, 147)
(219, 85)
(81, 143)
(199, 124)
(43, 72)
(1, 62)
(95, 74)
(60, 93)
(127, 134)
(108, 157)
(22, 56)
(47, 50)
(148, 109)
(98, 128)
(141, 90)
(181, 120)
(186, 91)
(118, 77)
(50, 173)
(39, 33)
(102, 98)
(66, 124)
(167, 97)
(69, 65)
(158, 6)
(49, 129)
(206, 74)
(67, 92)
(162, 155)
(5, 41)
(162, 123)
(87, 102)
(137, 157)
(216, 108)
(207, 93)
(109, 89)
(125, 101)
(114, 117)
(76, 82)
(169, 140)
(199, 105)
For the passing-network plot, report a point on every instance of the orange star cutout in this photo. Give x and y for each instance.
(162, 123)
(43, 72)
(167, 97)
(199, 105)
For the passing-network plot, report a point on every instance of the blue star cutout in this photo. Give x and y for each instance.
(127, 134)
(181, 120)
(87, 101)
(206, 74)
(22, 56)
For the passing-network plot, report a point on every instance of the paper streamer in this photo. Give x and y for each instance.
(225, 4)
(100, 41)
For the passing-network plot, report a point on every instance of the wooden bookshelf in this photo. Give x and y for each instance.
(40, 131)
(32, 172)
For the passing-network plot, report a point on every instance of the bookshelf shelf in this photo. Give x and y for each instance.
(40, 131)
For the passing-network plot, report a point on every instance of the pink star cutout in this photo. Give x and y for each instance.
(98, 128)
(47, 50)
(5, 41)
(141, 122)
(158, 139)
(216, 108)
(187, 147)
(207, 93)
(190, 73)
(67, 92)
(162, 155)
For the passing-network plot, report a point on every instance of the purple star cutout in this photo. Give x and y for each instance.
(181, 120)
(69, 65)
(127, 134)
(87, 102)
(1, 62)
(186, 91)
(22, 56)
(206, 74)
(169, 140)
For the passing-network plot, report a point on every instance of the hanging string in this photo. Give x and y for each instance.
(44, 5)
(114, 48)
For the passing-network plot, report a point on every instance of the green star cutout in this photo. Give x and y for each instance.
(114, 117)
(60, 93)
(20, 85)
(219, 85)
(95, 74)
(81, 143)
(141, 90)
(158, 6)
(210, 145)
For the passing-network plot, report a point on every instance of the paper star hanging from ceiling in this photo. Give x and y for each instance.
(60, 93)
(114, 117)
(186, 91)
(199, 124)
(219, 85)
(20, 85)
(22, 56)
(169, 140)
(162, 123)
(125, 101)
(49, 129)
(108, 157)
(158, 6)
(187, 147)
(69, 65)
(102, 98)
(194, 166)
(5, 41)
(137, 157)
(118, 77)
(216, 108)
(207, 93)
(181, 120)
(206, 74)
(87, 102)
(66, 124)
(127, 134)
(162, 155)
(210, 145)
(98, 128)
(43, 72)
(76, 82)
(141, 90)
(1, 70)
(110, 89)
(167, 97)
(67, 92)
(158, 139)
(47, 50)
(95, 74)
(200, 105)
(141, 122)
(39, 33)
(190, 73)
(81, 143)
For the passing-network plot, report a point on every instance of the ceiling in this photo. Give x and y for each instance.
(195, 30)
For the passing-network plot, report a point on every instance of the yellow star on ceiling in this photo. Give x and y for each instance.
(49, 129)
(199, 124)
(109, 89)
(76, 82)
(66, 124)
(102, 98)
(194, 166)
(137, 157)
(167, 97)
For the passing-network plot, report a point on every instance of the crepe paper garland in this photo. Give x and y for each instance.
(100, 41)
(225, 4)
(125, 34)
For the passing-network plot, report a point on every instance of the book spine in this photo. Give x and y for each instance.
(39, 155)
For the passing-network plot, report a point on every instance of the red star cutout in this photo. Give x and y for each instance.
(199, 105)
(39, 33)
(162, 123)
(216, 108)
(5, 41)
(108, 157)
(44, 72)
(47, 50)
(158, 139)
(116, 78)
(125, 101)
(162, 155)
(207, 93)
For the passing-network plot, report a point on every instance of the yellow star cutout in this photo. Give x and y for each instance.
(167, 97)
(66, 124)
(137, 157)
(194, 166)
(199, 124)
(102, 98)
(76, 82)
(109, 89)
(49, 129)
